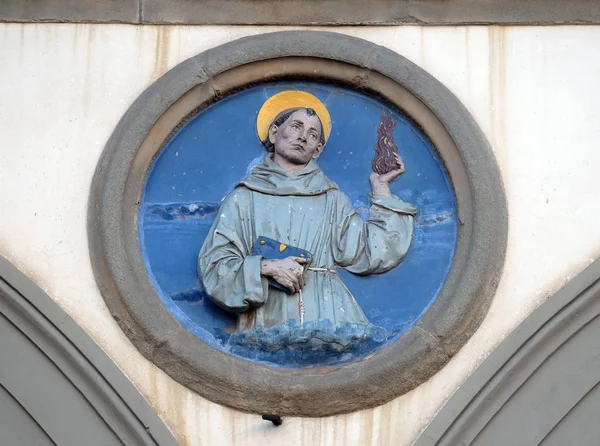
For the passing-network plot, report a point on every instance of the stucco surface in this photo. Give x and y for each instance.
(534, 92)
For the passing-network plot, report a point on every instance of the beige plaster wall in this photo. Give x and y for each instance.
(534, 91)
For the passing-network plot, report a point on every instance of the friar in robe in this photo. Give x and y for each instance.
(288, 198)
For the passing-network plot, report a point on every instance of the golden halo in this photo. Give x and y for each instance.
(287, 100)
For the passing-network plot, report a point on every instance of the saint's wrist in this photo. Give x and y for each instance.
(381, 189)
(265, 269)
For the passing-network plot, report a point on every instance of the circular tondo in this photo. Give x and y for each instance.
(297, 234)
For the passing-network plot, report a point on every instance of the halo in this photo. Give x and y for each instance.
(287, 100)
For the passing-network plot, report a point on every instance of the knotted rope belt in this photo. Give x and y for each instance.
(301, 306)
(321, 270)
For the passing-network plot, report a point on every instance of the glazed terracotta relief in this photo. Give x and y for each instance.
(298, 224)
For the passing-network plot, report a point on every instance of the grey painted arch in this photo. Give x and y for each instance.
(540, 386)
(57, 387)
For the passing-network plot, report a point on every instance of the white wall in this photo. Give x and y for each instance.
(533, 90)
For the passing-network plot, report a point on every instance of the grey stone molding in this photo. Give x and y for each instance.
(540, 386)
(304, 12)
(57, 387)
(197, 82)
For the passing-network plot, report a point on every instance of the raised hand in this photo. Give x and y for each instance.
(288, 272)
(380, 183)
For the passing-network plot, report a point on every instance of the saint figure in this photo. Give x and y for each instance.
(288, 198)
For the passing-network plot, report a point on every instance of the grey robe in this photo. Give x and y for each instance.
(303, 209)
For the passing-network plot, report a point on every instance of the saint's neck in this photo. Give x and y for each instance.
(286, 165)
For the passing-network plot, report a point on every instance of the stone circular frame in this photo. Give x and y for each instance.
(199, 81)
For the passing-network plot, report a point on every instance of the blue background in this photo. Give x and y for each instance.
(213, 151)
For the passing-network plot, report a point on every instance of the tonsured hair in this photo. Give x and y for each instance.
(284, 116)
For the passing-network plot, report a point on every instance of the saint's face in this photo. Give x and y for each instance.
(298, 139)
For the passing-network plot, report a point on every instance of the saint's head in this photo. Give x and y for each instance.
(292, 129)
(295, 138)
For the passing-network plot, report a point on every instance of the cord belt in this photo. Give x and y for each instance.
(321, 270)
(301, 306)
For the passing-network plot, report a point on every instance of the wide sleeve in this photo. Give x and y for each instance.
(380, 243)
(231, 276)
